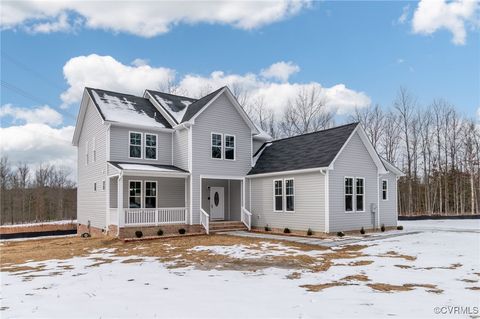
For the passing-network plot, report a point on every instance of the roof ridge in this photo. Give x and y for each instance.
(187, 97)
(110, 91)
(310, 133)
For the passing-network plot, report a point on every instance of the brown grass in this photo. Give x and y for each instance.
(394, 254)
(473, 288)
(356, 278)
(470, 281)
(294, 275)
(403, 266)
(383, 287)
(320, 287)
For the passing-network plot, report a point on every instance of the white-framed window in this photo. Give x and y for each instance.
(348, 191)
(360, 194)
(135, 145)
(95, 186)
(216, 145)
(135, 194)
(289, 195)
(278, 195)
(94, 150)
(103, 185)
(86, 153)
(151, 146)
(229, 147)
(384, 189)
(150, 194)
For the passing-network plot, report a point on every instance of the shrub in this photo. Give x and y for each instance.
(86, 235)
(139, 234)
(400, 227)
(182, 231)
(382, 228)
(309, 232)
(267, 228)
(362, 231)
(340, 234)
(286, 230)
(160, 232)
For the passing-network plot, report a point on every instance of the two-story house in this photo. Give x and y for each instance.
(170, 162)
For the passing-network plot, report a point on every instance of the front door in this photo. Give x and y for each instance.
(217, 203)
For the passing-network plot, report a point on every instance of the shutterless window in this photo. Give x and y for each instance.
(216, 145)
(384, 190)
(150, 194)
(278, 196)
(95, 187)
(103, 185)
(94, 150)
(86, 153)
(348, 194)
(229, 147)
(135, 145)
(150, 146)
(360, 194)
(289, 195)
(135, 194)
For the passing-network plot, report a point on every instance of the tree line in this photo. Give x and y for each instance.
(45, 193)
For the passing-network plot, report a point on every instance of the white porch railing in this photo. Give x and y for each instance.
(246, 218)
(155, 216)
(205, 220)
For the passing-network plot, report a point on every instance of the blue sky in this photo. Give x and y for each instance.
(366, 46)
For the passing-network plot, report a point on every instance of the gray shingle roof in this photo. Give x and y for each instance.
(175, 105)
(317, 149)
(195, 107)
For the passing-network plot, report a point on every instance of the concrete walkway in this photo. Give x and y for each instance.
(322, 242)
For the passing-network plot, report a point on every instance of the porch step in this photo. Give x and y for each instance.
(221, 226)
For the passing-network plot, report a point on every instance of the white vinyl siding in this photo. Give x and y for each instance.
(180, 148)
(388, 208)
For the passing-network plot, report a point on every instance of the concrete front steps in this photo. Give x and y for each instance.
(222, 226)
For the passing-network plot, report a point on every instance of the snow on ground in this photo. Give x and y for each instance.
(148, 289)
(58, 222)
(442, 224)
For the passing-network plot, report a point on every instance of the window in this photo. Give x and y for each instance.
(289, 195)
(103, 185)
(95, 187)
(150, 146)
(216, 145)
(94, 150)
(86, 153)
(150, 194)
(229, 147)
(278, 195)
(384, 189)
(135, 194)
(135, 145)
(348, 194)
(360, 192)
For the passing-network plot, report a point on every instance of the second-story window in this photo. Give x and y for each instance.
(216, 145)
(135, 145)
(229, 147)
(150, 146)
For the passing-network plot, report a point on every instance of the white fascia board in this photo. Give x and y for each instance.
(144, 127)
(391, 168)
(297, 171)
(80, 118)
(160, 108)
(148, 173)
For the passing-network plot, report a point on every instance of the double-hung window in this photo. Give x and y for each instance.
(135, 194)
(135, 145)
(216, 145)
(289, 195)
(229, 147)
(360, 194)
(150, 194)
(150, 146)
(384, 189)
(348, 194)
(278, 195)
(283, 195)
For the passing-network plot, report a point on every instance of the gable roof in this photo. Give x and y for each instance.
(126, 108)
(198, 105)
(311, 150)
(175, 105)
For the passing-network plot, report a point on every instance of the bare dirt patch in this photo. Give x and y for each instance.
(473, 288)
(294, 275)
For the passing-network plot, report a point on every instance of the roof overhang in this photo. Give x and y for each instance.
(136, 126)
(392, 168)
(297, 171)
(135, 169)
(86, 98)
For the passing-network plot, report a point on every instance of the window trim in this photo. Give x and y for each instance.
(145, 147)
(363, 195)
(221, 146)
(141, 144)
(234, 147)
(95, 187)
(386, 190)
(104, 183)
(156, 193)
(141, 193)
(345, 194)
(275, 196)
(285, 194)
(86, 153)
(94, 151)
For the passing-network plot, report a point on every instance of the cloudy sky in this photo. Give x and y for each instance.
(358, 53)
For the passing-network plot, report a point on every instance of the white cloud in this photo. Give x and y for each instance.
(36, 143)
(143, 18)
(433, 15)
(42, 115)
(405, 11)
(280, 71)
(107, 73)
(140, 62)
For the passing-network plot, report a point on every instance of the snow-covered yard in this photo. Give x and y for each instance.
(225, 276)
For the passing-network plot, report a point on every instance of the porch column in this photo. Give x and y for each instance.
(121, 213)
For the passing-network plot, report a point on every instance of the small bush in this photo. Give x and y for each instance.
(182, 231)
(340, 234)
(309, 232)
(362, 231)
(286, 230)
(160, 232)
(382, 228)
(139, 234)
(86, 235)
(400, 227)
(267, 228)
